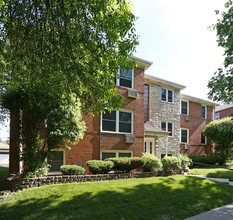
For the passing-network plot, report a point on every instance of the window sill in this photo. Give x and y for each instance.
(183, 143)
(168, 102)
(112, 132)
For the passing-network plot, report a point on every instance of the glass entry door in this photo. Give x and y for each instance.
(149, 145)
(55, 159)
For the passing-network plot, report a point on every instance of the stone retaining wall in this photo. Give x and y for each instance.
(26, 183)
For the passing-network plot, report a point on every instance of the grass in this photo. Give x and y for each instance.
(214, 172)
(4, 170)
(174, 197)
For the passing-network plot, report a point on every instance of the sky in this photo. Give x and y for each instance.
(174, 35)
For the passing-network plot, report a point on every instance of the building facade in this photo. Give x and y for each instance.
(223, 111)
(164, 114)
(195, 114)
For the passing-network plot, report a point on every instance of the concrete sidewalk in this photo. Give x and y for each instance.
(221, 213)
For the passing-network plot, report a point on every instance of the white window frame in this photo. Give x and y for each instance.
(167, 95)
(116, 152)
(167, 127)
(187, 135)
(205, 111)
(181, 107)
(205, 140)
(117, 122)
(118, 79)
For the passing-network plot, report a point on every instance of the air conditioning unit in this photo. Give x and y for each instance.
(187, 146)
(187, 118)
(132, 93)
(129, 139)
(78, 163)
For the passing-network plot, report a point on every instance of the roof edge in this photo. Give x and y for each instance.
(198, 100)
(165, 82)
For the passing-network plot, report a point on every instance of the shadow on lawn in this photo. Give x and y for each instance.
(168, 199)
(228, 174)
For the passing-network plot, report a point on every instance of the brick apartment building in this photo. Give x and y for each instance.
(195, 114)
(114, 134)
(154, 118)
(223, 111)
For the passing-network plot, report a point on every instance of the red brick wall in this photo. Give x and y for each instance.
(89, 147)
(225, 112)
(195, 125)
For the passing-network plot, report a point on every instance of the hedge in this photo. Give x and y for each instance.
(150, 162)
(72, 170)
(99, 166)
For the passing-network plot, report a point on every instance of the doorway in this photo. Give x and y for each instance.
(149, 145)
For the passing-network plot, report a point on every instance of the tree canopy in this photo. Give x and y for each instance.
(221, 132)
(221, 84)
(59, 60)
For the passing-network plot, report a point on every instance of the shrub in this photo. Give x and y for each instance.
(171, 163)
(210, 159)
(126, 164)
(150, 162)
(99, 166)
(72, 170)
(185, 161)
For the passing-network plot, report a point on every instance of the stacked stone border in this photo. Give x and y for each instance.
(25, 183)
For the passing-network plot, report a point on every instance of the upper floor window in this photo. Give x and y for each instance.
(184, 134)
(120, 121)
(203, 138)
(203, 111)
(166, 95)
(125, 78)
(146, 103)
(184, 108)
(167, 126)
(217, 116)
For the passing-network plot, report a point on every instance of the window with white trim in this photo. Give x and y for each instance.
(217, 116)
(184, 135)
(110, 153)
(167, 126)
(166, 95)
(203, 138)
(125, 78)
(184, 108)
(203, 111)
(120, 121)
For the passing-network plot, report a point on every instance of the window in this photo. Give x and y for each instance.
(184, 135)
(55, 159)
(166, 95)
(146, 103)
(184, 108)
(217, 116)
(163, 155)
(203, 111)
(167, 126)
(203, 138)
(125, 78)
(108, 154)
(120, 121)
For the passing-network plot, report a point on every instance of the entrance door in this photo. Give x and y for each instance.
(149, 146)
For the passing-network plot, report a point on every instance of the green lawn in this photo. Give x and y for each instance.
(174, 197)
(4, 170)
(214, 172)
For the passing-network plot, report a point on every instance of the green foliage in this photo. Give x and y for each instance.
(185, 160)
(72, 170)
(221, 132)
(221, 83)
(54, 54)
(99, 166)
(150, 162)
(39, 171)
(171, 163)
(126, 164)
(207, 159)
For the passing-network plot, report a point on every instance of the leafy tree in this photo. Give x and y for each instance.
(221, 132)
(58, 60)
(221, 84)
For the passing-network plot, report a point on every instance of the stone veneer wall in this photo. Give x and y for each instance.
(166, 112)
